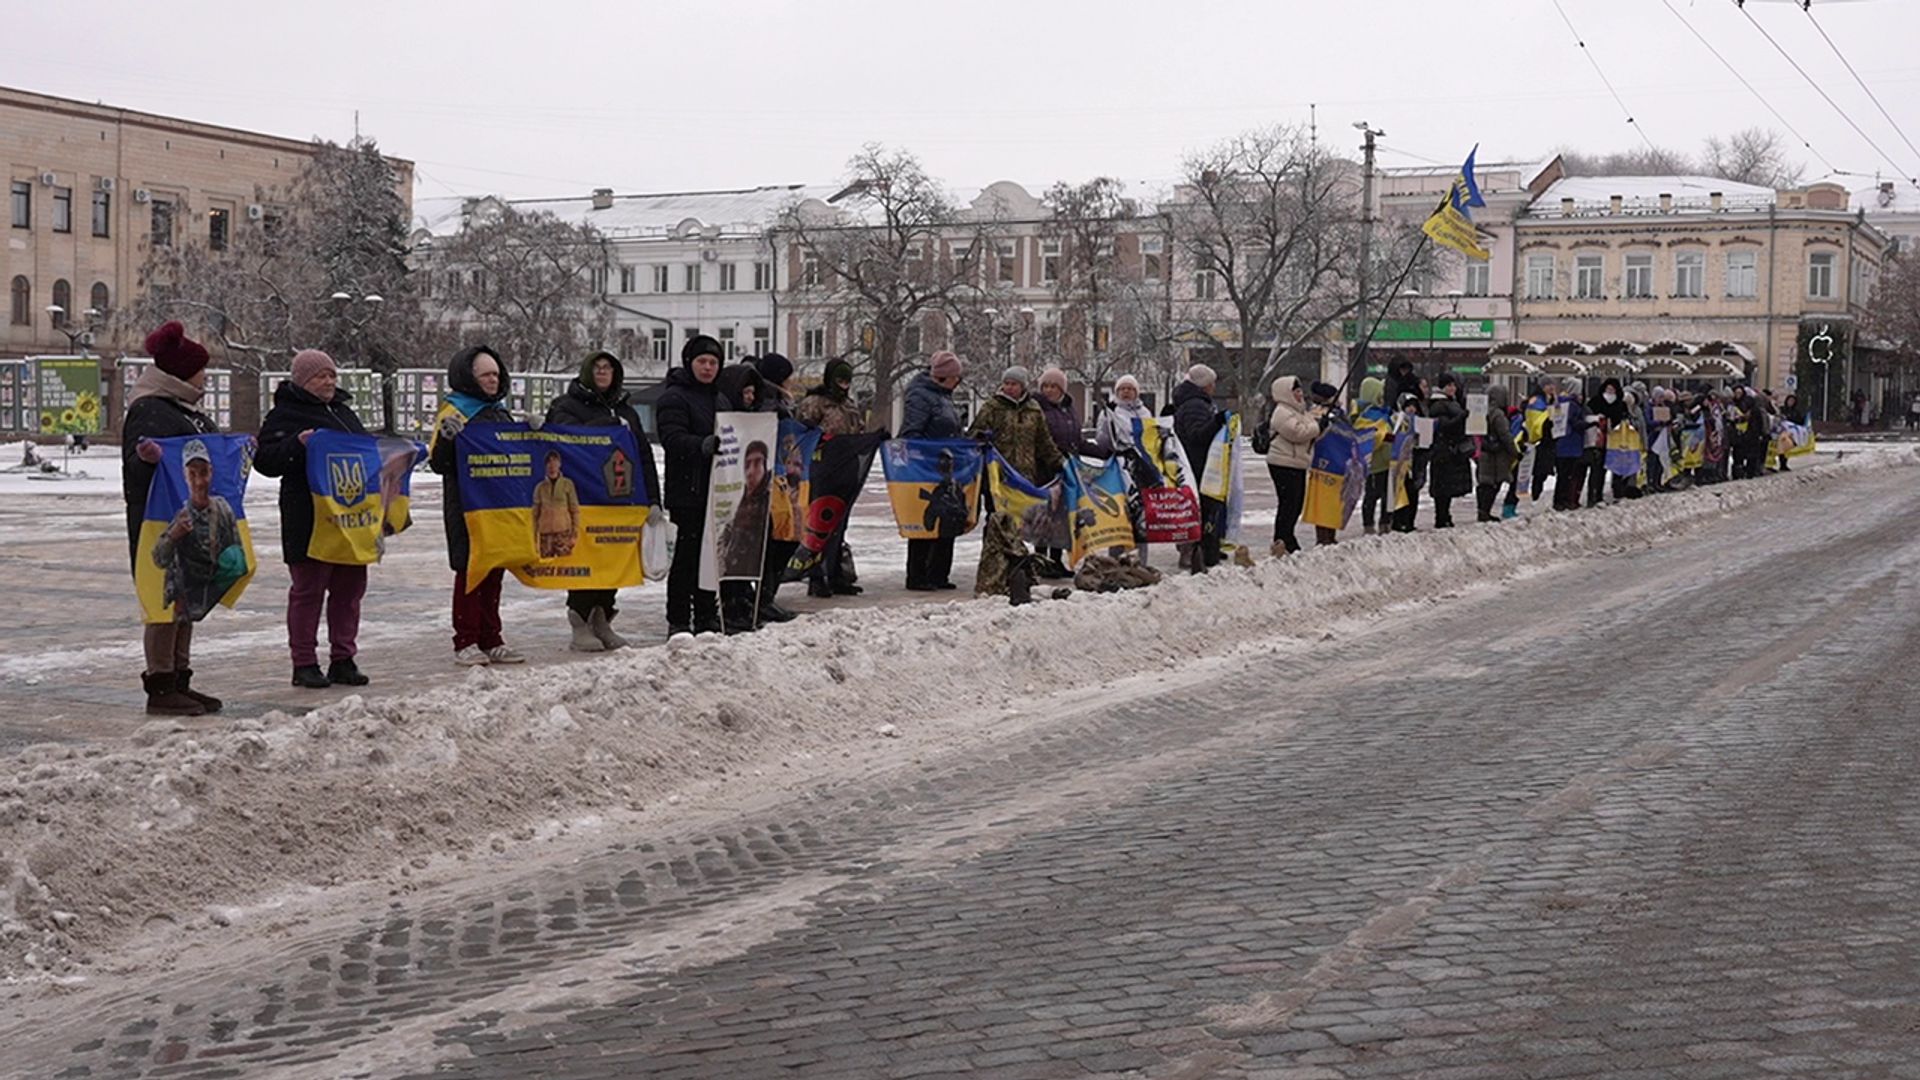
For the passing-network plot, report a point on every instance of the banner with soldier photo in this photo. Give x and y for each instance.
(792, 471)
(933, 486)
(1170, 502)
(835, 478)
(195, 548)
(1099, 498)
(739, 498)
(560, 507)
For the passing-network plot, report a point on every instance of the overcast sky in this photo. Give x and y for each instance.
(555, 98)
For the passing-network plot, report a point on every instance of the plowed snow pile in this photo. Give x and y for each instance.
(98, 841)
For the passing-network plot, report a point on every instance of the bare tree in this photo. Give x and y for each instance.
(1752, 155)
(1269, 223)
(1100, 291)
(1893, 313)
(1637, 161)
(891, 250)
(528, 284)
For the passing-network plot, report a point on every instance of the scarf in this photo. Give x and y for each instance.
(466, 403)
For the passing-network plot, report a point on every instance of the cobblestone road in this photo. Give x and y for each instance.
(1643, 816)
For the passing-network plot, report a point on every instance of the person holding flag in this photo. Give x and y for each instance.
(477, 390)
(1295, 425)
(930, 414)
(1372, 417)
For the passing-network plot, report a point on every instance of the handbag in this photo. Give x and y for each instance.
(656, 546)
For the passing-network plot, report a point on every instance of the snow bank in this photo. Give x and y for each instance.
(98, 841)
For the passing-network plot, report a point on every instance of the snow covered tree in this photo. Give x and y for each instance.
(1893, 314)
(1752, 155)
(1109, 310)
(526, 283)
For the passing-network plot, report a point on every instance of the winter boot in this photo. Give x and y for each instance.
(309, 676)
(708, 622)
(601, 622)
(185, 685)
(737, 616)
(1509, 511)
(1020, 581)
(583, 636)
(164, 697)
(771, 612)
(346, 673)
(1278, 550)
(1242, 555)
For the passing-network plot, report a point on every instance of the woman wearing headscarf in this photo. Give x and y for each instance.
(311, 400)
(477, 389)
(1294, 425)
(1607, 411)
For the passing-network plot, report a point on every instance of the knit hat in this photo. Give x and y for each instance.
(1054, 376)
(308, 363)
(1018, 374)
(174, 352)
(944, 365)
(839, 371)
(1202, 375)
(774, 368)
(1126, 380)
(700, 345)
(1323, 392)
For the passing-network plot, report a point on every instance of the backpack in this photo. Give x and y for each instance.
(1263, 436)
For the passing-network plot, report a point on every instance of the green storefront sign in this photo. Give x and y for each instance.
(68, 396)
(1434, 330)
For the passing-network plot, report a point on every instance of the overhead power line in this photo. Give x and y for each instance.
(1604, 81)
(1757, 96)
(1871, 96)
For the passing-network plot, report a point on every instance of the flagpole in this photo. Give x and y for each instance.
(1358, 362)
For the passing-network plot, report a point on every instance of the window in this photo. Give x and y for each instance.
(1863, 278)
(22, 204)
(1049, 261)
(62, 299)
(1102, 337)
(1690, 275)
(1152, 250)
(730, 350)
(813, 343)
(103, 213)
(218, 222)
(162, 223)
(1204, 284)
(660, 342)
(1639, 284)
(659, 279)
(1589, 277)
(21, 306)
(962, 253)
(762, 276)
(1009, 264)
(100, 299)
(810, 270)
(1743, 281)
(910, 341)
(729, 277)
(691, 279)
(1540, 277)
(62, 209)
(626, 279)
(1479, 277)
(1820, 275)
(762, 340)
(597, 279)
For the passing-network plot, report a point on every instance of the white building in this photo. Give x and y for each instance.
(678, 263)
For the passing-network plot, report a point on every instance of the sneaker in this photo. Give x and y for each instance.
(471, 656)
(311, 677)
(678, 630)
(346, 673)
(504, 654)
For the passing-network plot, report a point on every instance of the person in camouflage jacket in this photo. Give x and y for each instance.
(1012, 423)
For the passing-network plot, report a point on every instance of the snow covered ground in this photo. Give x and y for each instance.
(109, 840)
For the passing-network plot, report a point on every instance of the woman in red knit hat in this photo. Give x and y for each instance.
(161, 405)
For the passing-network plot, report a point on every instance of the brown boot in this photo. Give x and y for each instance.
(165, 699)
(184, 684)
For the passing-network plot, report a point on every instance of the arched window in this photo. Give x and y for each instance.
(63, 299)
(22, 297)
(101, 300)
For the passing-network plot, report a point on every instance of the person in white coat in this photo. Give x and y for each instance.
(1295, 425)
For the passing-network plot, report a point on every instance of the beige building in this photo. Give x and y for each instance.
(91, 188)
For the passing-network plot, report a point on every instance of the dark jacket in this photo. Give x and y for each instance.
(684, 414)
(1499, 454)
(731, 385)
(441, 457)
(1195, 423)
(1450, 465)
(1064, 426)
(583, 405)
(162, 408)
(281, 454)
(1571, 443)
(928, 411)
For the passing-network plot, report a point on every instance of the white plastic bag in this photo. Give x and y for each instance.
(656, 545)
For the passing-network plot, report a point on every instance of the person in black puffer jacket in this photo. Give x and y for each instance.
(310, 401)
(1195, 422)
(685, 414)
(597, 397)
(477, 390)
(1450, 466)
(1608, 405)
(929, 413)
(161, 406)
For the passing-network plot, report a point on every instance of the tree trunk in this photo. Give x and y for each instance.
(886, 361)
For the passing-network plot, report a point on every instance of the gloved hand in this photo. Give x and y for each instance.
(451, 425)
(710, 446)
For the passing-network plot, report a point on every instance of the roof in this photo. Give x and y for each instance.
(748, 210)
(1642, 193)
(1866, 193)
(1527, 170)
(34, 99)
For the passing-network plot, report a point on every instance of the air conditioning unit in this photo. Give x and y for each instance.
(141, 194)
(254, 212)
(47, 179)
(105, 183)
(710, 255)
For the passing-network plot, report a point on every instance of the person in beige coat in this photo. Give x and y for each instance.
(1295, 425)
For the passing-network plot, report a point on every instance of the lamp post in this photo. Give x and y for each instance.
(77, 341)
(344, 306)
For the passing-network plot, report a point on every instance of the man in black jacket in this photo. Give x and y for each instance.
(685, 414)
(597, 397)
(1195, 423)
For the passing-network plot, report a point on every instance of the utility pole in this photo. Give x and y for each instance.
(1368, 134)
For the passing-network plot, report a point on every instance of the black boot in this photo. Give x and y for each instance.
(311, 677)
(346, 673)
(708, 622)
(164, 697)
(738, 617)
(183, 679)
(771, 612)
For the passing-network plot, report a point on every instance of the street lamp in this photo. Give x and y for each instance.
(343, 303)
(76, 339)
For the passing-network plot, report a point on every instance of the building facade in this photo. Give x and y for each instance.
(92, 189)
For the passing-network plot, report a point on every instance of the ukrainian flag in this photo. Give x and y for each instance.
(933, 485)
(501, 469)
(1098, 495)
(362, 489)
(1452, 221)
(195, 548)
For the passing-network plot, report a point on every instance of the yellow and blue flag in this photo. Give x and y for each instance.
(934, 486)
(1626, 451)
(1336, 476)
(195, 548)
(561, 507)
(1098, 494)
(362, 487)
(1452, 221)
(1044, 514)
(836, 475)
(1793, 440)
